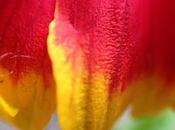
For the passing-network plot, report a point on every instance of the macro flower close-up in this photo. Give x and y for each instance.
(87, 64)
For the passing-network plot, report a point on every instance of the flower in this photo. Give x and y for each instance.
(106, 55)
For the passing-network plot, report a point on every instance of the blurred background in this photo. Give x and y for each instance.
(163, 121)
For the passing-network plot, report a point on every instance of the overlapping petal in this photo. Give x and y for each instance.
(106, 55)
(26, 83)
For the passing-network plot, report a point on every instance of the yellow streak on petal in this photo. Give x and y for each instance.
(63, 78)
(81, 105)
(71, 91)
(98, 102)
(12, 111)
(82, 102)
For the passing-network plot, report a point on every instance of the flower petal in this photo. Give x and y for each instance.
(26, 83)
(107, 54)
(154, 83)
(90, 48)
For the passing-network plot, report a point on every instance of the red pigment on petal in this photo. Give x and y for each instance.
(104, 25)
(155, 48)
(120, 42)
(163, 31)
(124, 39)
(23, 35)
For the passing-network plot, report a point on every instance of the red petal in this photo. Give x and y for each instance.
(26, 83)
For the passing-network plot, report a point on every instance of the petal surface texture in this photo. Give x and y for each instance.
(107, 54)
(26, 84)
(90, 48)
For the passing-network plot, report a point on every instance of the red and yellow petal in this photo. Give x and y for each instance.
(90, 52)
(26, 83)
(108, 54)
(154, 86)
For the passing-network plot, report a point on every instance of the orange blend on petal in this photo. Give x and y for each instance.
(154, 86)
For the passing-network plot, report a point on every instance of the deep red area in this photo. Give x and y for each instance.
(104, 24)
(156, 42)
(23, 35)
(125, 38)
